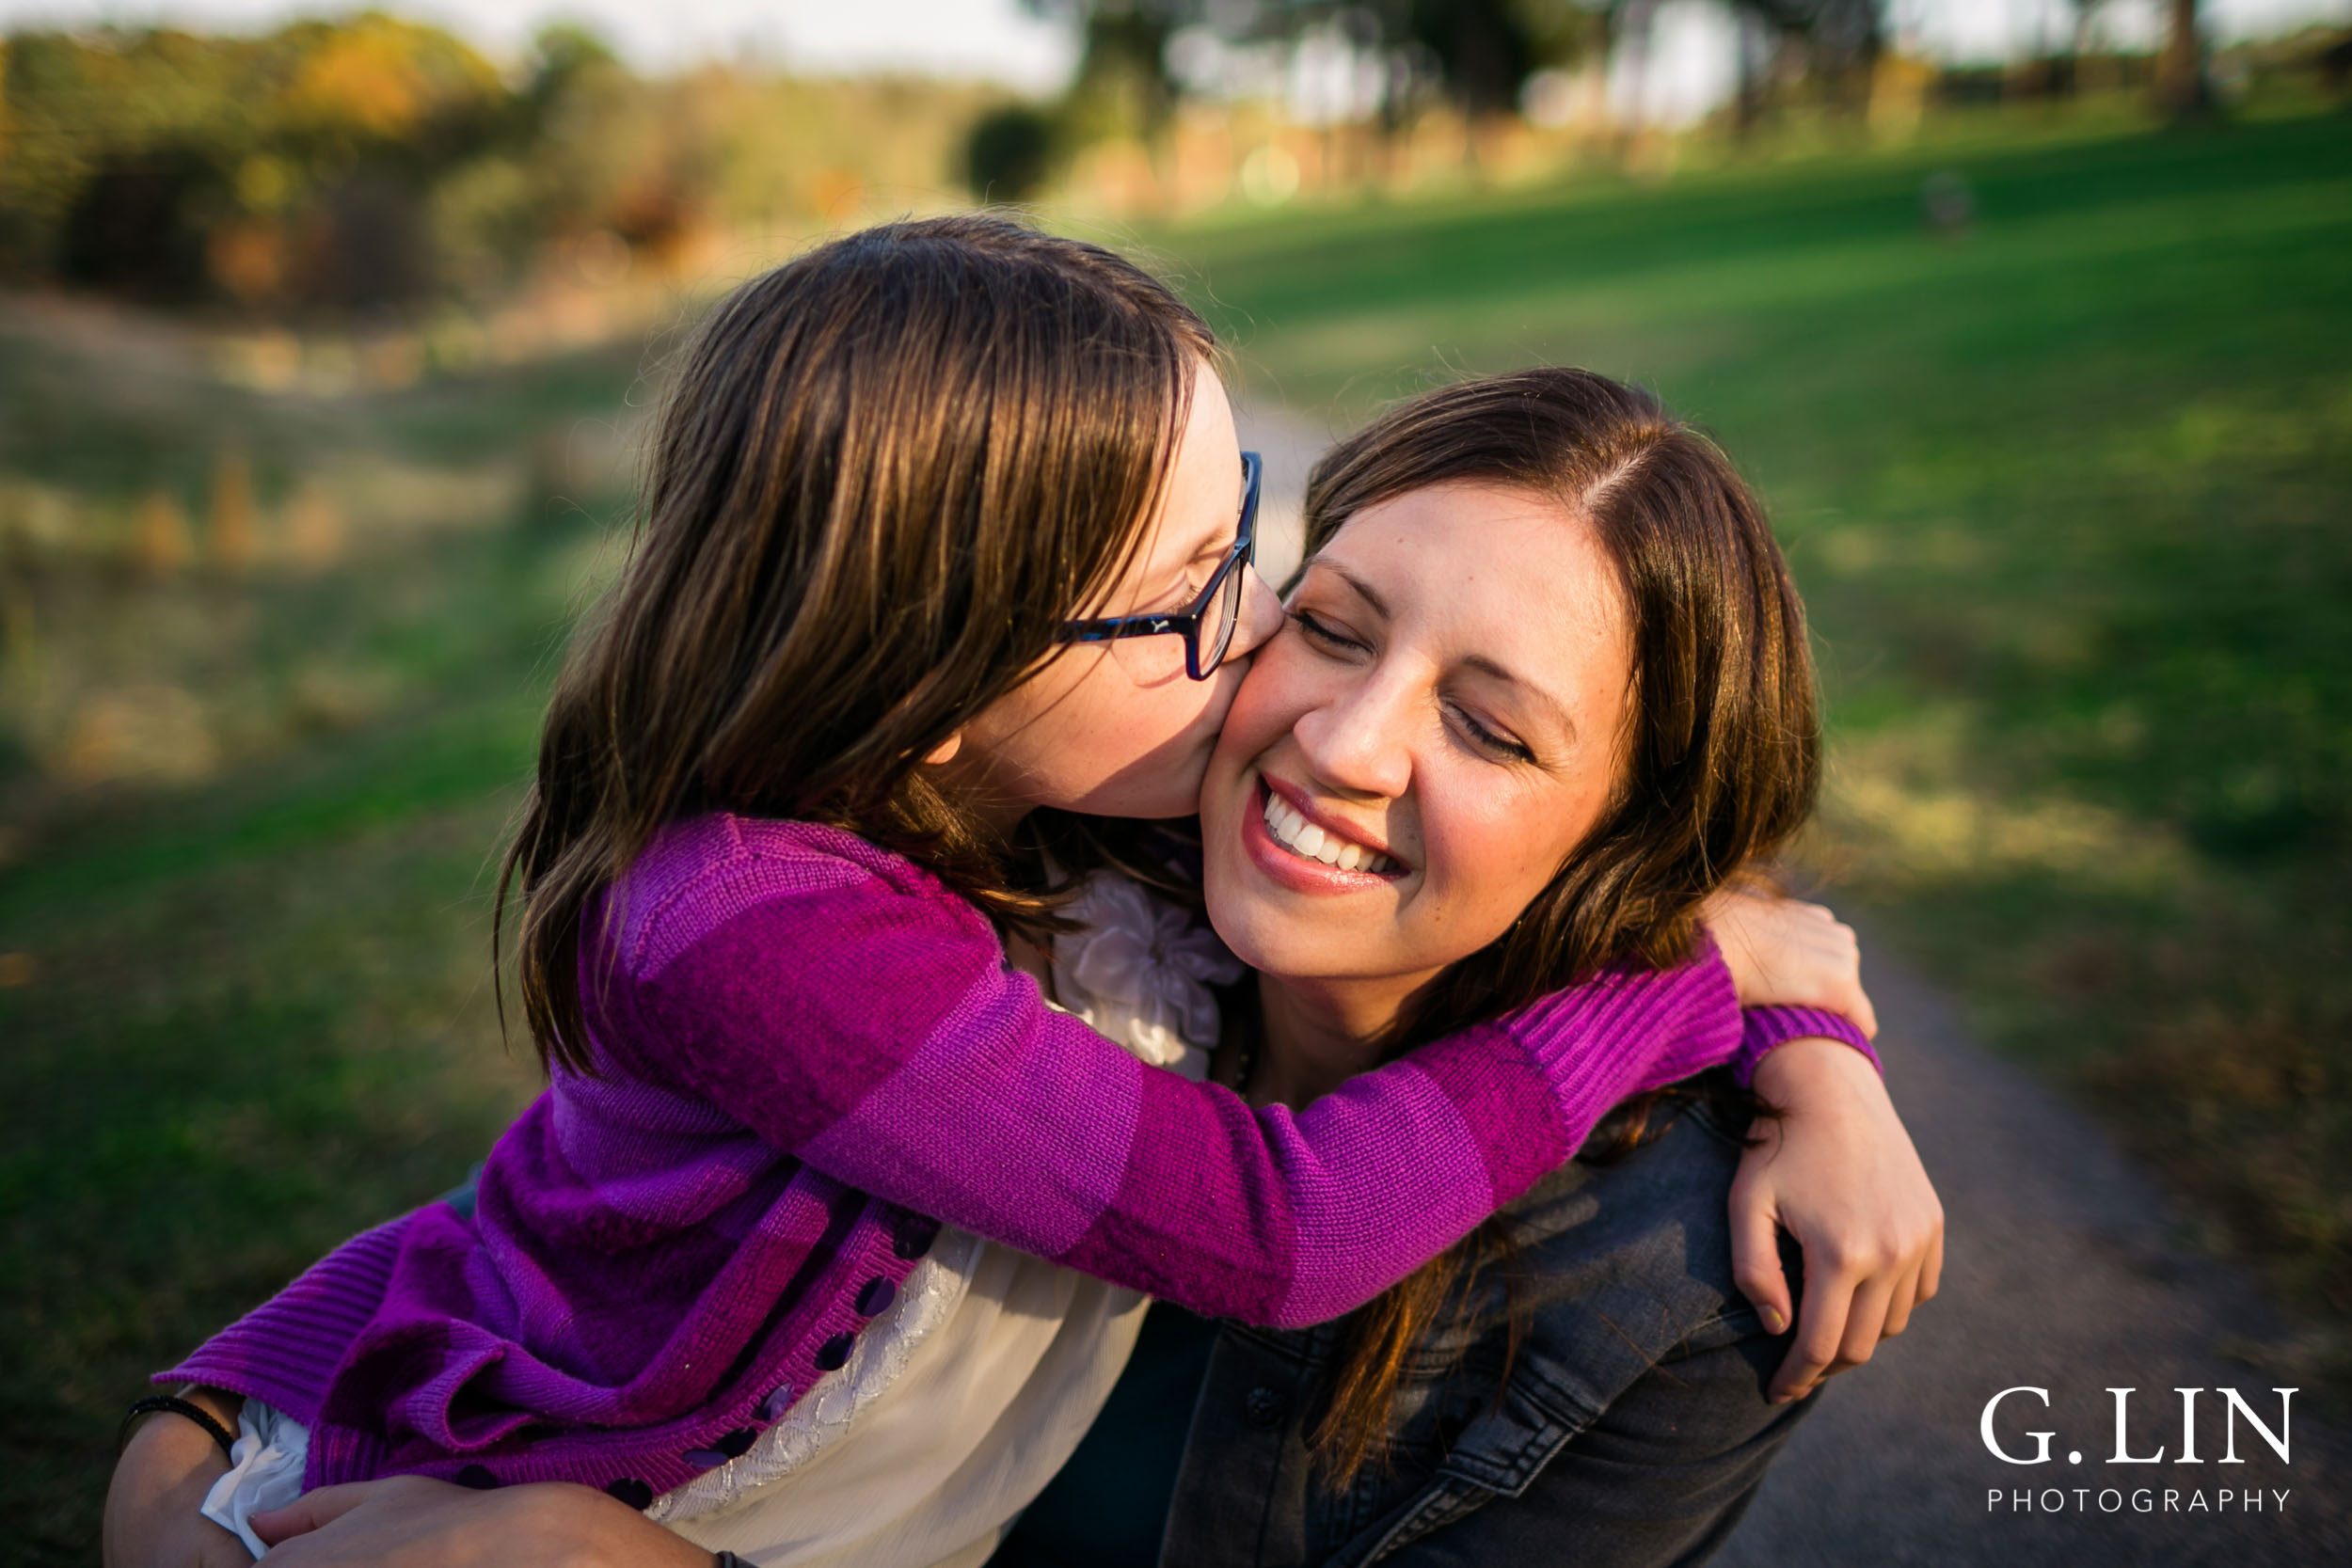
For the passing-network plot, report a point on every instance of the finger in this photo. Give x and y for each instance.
(1756, 1257)
(1820, 1328)
(1899, 1304)
(1866, 1323)
(309, 1511)
(1932, 1272)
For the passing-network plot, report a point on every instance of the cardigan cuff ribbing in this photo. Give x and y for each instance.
(285, 1352)
(1763, 1029)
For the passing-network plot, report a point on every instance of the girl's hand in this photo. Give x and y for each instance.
(153, 1518)
(410, 1522)
(1838, 1172)
(1788, 954)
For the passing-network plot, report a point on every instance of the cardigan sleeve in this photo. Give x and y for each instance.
(873, 1030)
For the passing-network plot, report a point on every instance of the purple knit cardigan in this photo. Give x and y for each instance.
(810, 1054)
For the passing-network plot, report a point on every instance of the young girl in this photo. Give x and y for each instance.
(784, 798)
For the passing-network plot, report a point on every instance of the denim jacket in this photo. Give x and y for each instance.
(1631, 1427)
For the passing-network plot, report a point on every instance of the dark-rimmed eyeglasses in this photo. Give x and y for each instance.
(1208, 624)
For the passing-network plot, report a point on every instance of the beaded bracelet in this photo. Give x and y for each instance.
(177, 1406)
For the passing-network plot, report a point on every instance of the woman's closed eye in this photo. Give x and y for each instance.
(1324, 635)
(1487, 740)
(1482, 736)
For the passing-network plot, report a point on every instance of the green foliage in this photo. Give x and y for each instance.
(338, 166)
(136, 161)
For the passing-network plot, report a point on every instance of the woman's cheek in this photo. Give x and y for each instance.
(1484, 856)
(1265, 707)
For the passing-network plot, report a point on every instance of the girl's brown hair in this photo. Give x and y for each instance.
(1719, 765)
(886, 473)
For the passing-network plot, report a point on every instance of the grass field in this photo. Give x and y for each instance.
(2067, 495)
(252, 1014)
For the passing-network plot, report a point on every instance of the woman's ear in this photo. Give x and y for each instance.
(944, 751)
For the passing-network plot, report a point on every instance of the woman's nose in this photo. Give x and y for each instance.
(1357, 743)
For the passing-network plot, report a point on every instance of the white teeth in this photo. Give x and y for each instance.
(1291, 829)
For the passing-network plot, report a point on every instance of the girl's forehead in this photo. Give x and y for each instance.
(1200, 506)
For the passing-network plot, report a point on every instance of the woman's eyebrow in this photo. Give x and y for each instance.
(1363, 589)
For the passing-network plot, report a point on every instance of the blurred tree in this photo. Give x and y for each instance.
(563, 51)
(1841, 41)
(1122, 86)
(347, 167)
(361, 120)
(2184, 87)
(1481, 51)
(138, 224)
(164, 164)
(587, 150)
(2086, 18)
(1479, 54)
(1008, 152)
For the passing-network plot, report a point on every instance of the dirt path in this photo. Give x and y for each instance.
(2064, 1271)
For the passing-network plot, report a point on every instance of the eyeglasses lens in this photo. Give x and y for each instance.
(1224, 616)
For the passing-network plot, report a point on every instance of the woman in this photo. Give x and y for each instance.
(1546, 671)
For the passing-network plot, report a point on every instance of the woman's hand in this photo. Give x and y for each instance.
(152, 1506)
(1838, 1172)
(410, 1522)
(1788, 953)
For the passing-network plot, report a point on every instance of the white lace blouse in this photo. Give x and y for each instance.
(959, 1401)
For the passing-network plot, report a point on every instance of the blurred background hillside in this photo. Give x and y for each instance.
(327, 343)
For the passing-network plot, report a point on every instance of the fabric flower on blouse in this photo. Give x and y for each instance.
(1144, 959)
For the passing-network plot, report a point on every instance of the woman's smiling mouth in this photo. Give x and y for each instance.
(1310, 841)
(1310, 854)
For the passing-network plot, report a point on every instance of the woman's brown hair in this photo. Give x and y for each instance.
(886, 472)
(1718, 766)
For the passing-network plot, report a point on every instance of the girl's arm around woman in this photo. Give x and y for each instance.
(860, 1017)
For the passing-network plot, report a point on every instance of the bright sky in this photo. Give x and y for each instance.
(1996, 29)
(993, 38)
(997, 38)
